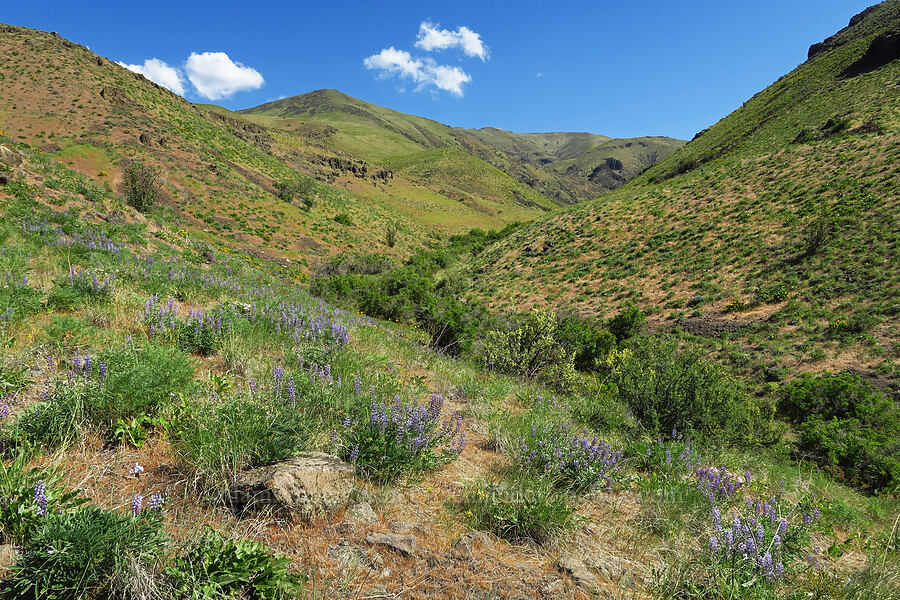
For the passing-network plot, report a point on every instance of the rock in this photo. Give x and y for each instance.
(400, 527)
(355, 556)
(615, 164)
(145, 139)
(362, 513)
(883, 49)
(403, 543)
(9, 554)
(464, 547)
(114, 95)
(4, 179)
(609, 566)
(695, 300)
(553, 587)
(10, 157)
(579, 572)
(305, 485)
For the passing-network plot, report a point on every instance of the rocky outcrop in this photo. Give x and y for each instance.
(578, 570)
(10, 157)
(249, 132)
(884, 49)
(305, 485)
(114, 96)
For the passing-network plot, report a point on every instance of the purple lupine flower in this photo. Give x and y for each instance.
(40, 498)
(713, 545)
(136, 470)
(155, 502)
(136, 504)
(101, 375)
(4, 410)
(357, 384)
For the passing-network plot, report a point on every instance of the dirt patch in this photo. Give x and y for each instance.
(711, 326)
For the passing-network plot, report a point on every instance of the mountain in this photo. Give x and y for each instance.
(788, 206)
(565, 167)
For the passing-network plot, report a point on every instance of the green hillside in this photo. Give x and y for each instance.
(380, 134)
(788, 206)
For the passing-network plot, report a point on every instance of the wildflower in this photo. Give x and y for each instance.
(155, 502)
(136, 470)
(136, 503)
(40, 498)
(713, 545)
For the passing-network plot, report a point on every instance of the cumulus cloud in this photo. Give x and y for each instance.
(214, 75)
(431, 38)
(159, 72)
(424, 72)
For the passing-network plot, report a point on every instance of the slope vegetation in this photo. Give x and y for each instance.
(776, 226)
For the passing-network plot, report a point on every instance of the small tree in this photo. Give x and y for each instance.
(141, 185)
(304, 189)
(390, 235)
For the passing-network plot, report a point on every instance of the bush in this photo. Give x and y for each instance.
(390, 235)
(99, 392)
(669, 389)
(202, 332)
(216, 567)
(572, 460)
(27, 496)
(304, 189)
(343, 219)
(17, 299)
(80, 287)
(517, 507)
(81, 552)
(848, 426)
(627, 323)
(220, 437)
(528, 347)
(395, 439)
(141, 185)
(587, 338)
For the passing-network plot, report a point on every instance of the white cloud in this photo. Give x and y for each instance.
(424, 72)
(159, 72)
(216, 76)
(539, 75)
(431, 38)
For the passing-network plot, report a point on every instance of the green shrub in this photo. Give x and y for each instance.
(202, 332)
(302, 188)
(216, 567)
(99, 392)
(20, 512)
(343, 219)
(528, 347)
(394, 439)
(391, 232)
(78, 288)
(627, 323)
(669, 389)
(141, 184)
(83, 553)
(848, 426)
(219, 437)
(17, 299)
(517, 507)
(588, 338)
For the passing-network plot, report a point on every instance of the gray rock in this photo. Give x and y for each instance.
(9, 554)
(10, 157)
(305, 485)
(362, 513)
(464, 548)
(355, 556)
(403, 543)
(553, 587)
(579, 572)
(612, 568)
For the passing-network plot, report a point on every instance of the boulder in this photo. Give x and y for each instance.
(579, 572)
(305, 485)
(403, 543)
(10, 157)
(464, 547)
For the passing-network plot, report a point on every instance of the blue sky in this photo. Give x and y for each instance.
(645, 67)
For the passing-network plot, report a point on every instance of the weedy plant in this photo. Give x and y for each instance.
(393, 439)
(517, 506)
(81, 287)
(216, 567)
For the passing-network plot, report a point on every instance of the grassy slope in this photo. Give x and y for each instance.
(220, 172)
(735, 226)
(380, 134)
